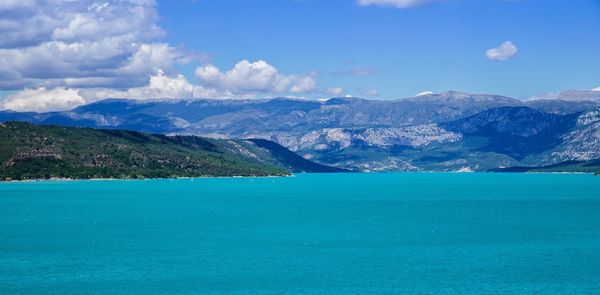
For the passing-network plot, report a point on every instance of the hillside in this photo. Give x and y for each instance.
(567, 166)
(515, 131)
(40, 152)
(290, 160)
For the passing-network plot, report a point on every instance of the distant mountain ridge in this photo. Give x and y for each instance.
(579, 95)
(440, 132)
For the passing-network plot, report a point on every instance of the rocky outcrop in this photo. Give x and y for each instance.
(582, 143)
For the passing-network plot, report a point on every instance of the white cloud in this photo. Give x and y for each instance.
(42, 99)
(503, 52)
(396, 3)
(423, 93)
(159, 86)
(596, 89)
(335, 91)
(245, 80)
(61, 98)
(88, 43)
(254, 77)
(60, 54)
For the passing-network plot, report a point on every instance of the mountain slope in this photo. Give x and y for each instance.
(292, 161)
(31, 152)
(514, 131)
(582, 143)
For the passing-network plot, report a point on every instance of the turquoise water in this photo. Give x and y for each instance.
(314, 234)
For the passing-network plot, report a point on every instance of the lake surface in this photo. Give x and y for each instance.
(315, 234)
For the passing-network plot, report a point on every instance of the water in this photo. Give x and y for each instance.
(314, 234)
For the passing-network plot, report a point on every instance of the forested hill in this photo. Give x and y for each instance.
(40, 152)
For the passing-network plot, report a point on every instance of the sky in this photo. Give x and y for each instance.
(58, 54)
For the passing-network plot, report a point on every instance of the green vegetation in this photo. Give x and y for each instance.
(42, 152)
(592, 166)
(572, 166)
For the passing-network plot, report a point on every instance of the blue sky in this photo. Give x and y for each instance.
(432, 47)
(385, 49)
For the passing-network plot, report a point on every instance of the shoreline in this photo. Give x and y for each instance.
(141, 179)
(276, 176)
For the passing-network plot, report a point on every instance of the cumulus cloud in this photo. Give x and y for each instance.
(596, 89)
(396, 3)
(503, 52)
(245, 80)
(160, 86)
(60, 54)
(60, 43)
(42, 99)
(255, 77)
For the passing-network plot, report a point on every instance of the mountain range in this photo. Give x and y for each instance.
(451, 131)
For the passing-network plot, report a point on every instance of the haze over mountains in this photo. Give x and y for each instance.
(452, 131)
